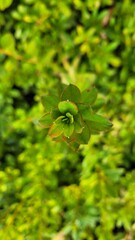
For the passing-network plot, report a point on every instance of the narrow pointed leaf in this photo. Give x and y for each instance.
(89, 96)
(98, 123)
(45, 121)
(71, 93)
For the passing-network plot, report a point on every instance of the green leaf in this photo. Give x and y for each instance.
(98, 123)
(84, 110)
(67, 106)
(84, 137)
(49, 102)
(78, 124)
(56, 130)
(61, 87)
(114, 174)
(7, 42)
(68, 129)
(99, 104)
(59, 120)
(45, 121)
(70, 117)
(89, 96)
(92, 130)
(55, 114)
(71, 93)
(5, 4)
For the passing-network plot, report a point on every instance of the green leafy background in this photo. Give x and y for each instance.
(47, 191)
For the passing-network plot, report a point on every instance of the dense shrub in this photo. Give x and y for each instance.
(47, 190)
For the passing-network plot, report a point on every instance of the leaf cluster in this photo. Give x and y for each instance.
(69, 115)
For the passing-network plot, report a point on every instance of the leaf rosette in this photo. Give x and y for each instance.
(69, 115)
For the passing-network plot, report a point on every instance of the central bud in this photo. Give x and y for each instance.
(67, 107)
(68, 118)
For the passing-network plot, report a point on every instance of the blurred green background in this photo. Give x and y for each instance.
(48, 191)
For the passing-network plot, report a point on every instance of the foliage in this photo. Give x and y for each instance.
(70, 117)
(47, 190)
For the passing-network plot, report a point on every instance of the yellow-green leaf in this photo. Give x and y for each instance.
(5, 4)
(7, 42)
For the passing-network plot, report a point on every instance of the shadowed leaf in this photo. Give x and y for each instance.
(55, 114)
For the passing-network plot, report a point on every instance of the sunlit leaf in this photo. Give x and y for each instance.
(114, 174)
(7, 42)
(5, 4)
